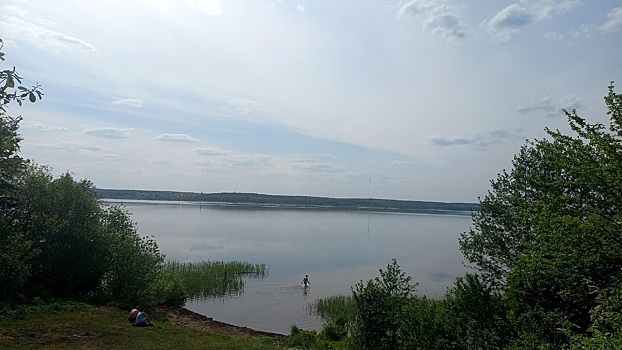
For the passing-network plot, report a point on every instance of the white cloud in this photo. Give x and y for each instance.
(315, 164)
(480, 141)
(175, 138)
(238, 161)
(18, 24)
(416, 7)
(586, 31)
(242, 107)
(512, 17)
(614, 21)
(446, 140)
(551, 108)
(401, 162)
(589, 30)
(208, 151)
(41, 126)
(505, 26)
(301, 7)
(77, 146)
(438, 17)
(109, 133)
(252, 161)
(209, 7)
(132, 102)
(446, 25)
(311, 158)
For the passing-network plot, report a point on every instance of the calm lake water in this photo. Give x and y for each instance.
(337, 249)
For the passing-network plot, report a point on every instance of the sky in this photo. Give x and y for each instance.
(415, 100)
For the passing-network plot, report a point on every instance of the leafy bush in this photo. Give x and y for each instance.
(426, 324)
(133, 263)
(476, 315)
(169, 290)
(381, 310)
(605, 331)
(301, 338)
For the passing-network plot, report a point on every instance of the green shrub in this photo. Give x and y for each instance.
(301, 338)
(381, 311)
(169, 290)
(476, 316)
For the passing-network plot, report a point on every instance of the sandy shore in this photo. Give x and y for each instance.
(180, 316)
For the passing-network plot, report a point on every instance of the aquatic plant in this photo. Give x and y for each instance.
(337, 311)
(333, 307)
(212, 279)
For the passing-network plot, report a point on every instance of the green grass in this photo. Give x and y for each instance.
(83, 326)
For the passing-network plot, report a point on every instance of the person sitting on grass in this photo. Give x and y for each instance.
(142, 319)
(133, 313)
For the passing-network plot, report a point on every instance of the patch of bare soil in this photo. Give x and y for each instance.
(185, 317)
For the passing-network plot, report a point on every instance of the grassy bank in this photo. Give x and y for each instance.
(82, 326)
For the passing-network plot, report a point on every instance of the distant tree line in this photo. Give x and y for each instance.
(291, 201)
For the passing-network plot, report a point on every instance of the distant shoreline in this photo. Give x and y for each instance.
(265, 201)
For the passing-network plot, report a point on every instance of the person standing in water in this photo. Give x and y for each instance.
(305, 281)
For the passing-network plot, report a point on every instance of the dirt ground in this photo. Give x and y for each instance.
(184, 317)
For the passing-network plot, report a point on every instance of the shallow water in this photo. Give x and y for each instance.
(337, 249)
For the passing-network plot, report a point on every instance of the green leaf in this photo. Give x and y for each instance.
(32, 97)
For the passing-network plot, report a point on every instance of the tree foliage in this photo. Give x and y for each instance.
(549, 231)
(15, 248)
(475, 315)
(63, 224)
(56, 240)
(381, 306)
(128, 258)
(605, 332)
(388, 315)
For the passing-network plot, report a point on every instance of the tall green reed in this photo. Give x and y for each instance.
(212, 279)
(334, 307)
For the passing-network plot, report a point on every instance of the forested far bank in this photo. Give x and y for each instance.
(256, 199)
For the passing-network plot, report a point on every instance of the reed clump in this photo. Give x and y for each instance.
(212, 279)
(333, 307)
(337, 312)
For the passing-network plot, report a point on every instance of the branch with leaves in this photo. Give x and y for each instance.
(11, 88)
